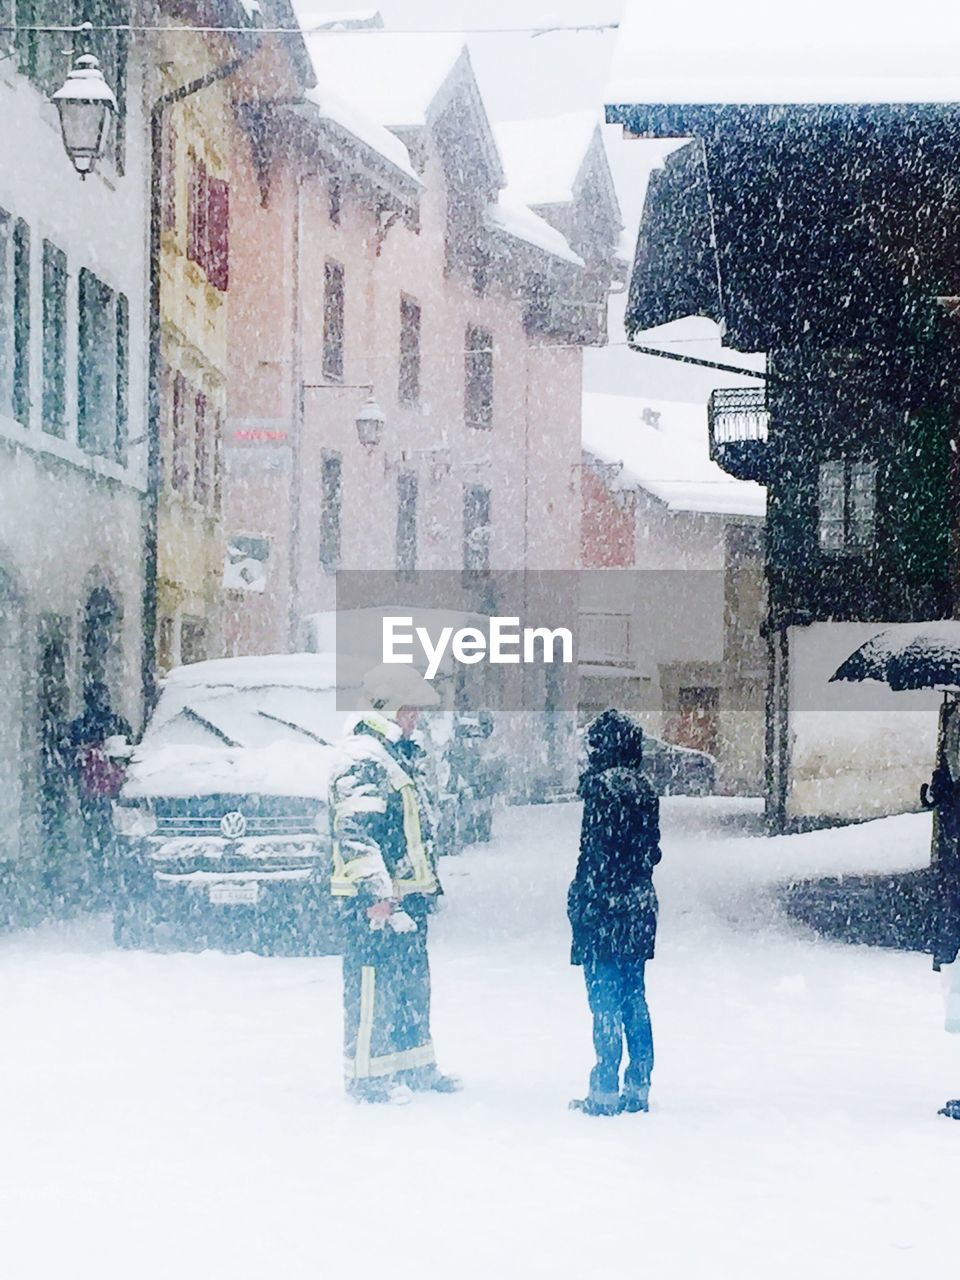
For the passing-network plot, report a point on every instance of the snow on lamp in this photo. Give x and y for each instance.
(86, 105)
(370, 422)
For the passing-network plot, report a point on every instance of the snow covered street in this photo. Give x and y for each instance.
(183, 1116)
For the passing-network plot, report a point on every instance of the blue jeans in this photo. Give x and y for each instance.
(618, 1002)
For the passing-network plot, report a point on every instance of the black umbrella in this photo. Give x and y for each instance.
(924, 655)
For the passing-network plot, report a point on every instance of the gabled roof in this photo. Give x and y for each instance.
(542, 158)
(393, 77)
(521, 223)
(347, 119)
(662, 447)
(402, 80)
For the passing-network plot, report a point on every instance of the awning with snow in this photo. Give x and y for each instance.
(675, 270)
(829, 225)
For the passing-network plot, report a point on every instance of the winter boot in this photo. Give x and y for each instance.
(951, 1109)
(386, 1091)
(636, 1098)
(598, 1104)
(431, 1080)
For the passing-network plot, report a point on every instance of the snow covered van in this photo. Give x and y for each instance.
(222, 821)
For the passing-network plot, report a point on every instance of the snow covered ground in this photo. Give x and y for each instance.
(181, 1116)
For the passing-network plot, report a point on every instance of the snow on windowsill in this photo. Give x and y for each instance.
(41, 442)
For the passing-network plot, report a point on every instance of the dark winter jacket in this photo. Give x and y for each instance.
(943, 795)
(96, 778)
(612, 904)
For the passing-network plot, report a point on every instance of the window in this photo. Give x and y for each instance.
(697, 718)
(45, 57)
(103, 368)
(406, 523)
(193, 641)
(100, 637)
(179, 473)
(478, 380)
(201, 450)
(476, 529)
(330, 502)
(208, 224)
(333, 306)
(21, 322)
(54, 338)
(847, 506)
(335, 199)
(165, 643)
(409, 385)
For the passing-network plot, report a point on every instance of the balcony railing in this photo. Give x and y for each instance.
(739, 420)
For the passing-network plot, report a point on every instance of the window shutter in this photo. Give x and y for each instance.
(218, 233)
(123, 375)
(197, 213)
(179, 443)
(201, 485)
(168, 199)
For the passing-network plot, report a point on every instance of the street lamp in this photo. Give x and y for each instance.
(370, 421)
(86, 105)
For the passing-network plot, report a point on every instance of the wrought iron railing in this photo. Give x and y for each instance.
(738, 415)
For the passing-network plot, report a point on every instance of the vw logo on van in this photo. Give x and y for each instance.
(233, 825)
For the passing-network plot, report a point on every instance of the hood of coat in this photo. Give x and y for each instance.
(615, 741)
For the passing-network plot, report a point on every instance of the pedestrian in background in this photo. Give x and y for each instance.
(612, 908)
(96, 749)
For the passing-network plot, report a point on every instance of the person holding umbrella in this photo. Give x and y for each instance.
(927, 656)
(942, 794)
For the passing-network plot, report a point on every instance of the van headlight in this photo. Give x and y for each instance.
(321, 823)
(133, 820)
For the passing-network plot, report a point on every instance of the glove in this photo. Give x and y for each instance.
(400, 922)
(379, 913)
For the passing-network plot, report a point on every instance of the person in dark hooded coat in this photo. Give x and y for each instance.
(612, 908)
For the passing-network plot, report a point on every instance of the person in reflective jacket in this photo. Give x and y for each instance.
(612, 908)
(384, 870)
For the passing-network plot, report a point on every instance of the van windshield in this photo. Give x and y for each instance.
(245, 717)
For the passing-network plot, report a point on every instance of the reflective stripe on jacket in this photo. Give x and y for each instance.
(380, 823)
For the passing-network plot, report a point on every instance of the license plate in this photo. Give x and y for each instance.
(234, 895)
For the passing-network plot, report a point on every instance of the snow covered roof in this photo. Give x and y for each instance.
(363, 128)
(749, 51)
(543, 157)
(515, 219)
(393, 77)
(289, 670)
(663, 447)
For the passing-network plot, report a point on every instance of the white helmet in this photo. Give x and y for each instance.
(391, 686)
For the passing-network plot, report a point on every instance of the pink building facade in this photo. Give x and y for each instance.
(383, 262)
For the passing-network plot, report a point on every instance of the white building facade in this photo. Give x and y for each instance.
(73, 371)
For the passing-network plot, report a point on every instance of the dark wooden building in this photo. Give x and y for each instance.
(828, 237)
